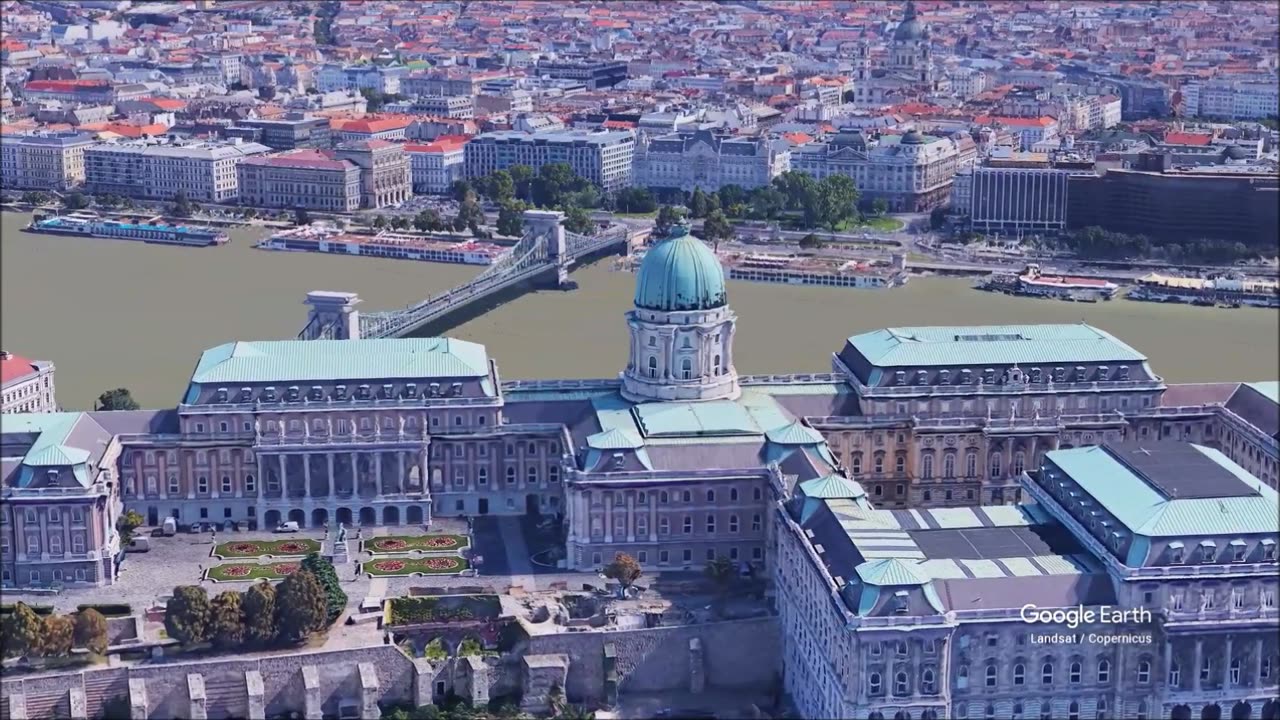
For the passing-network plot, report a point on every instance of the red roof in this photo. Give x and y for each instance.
(376, 126)
(444, 143)
(1185, 138)
(14, 367)
(315, 159)
(62, 85)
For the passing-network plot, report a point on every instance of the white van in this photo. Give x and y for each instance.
(287, 527)
(170, 526)
(139, 544)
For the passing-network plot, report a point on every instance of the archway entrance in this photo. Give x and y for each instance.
(299, 517)
(319, 517)
(390, 515)
(272, 519)
(531, 505)
(1212, 711)
(1241, 711)
(153, 516)
(344, 516)
(1181, 712)
(368, 516)
(413, 515)
(483, 508)
(1271, 710)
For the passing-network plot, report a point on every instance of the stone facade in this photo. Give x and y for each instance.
(27, 385)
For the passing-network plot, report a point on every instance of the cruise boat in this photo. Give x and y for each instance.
(802, 270)
(85, 225)
(387, 244)
(1227, 290)
(1034, 283)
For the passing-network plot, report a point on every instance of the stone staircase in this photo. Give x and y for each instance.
(228, 693)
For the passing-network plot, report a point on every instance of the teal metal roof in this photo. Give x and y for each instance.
(51, 431)
(302, 360)
(991, 345)
(614, 439)
(714, 417)
(56, 456)
(892, 572)
(680, 273)
(832, 486)
(1270, 390)
(796, 433)
(1145, 511)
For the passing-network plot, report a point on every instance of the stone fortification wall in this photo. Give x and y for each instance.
(735, 654)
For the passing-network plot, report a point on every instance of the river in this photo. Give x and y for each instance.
(115, 313)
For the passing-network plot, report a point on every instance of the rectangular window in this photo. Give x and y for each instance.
(202, 484)
(173, 484)
(226, 484)
(250, 485)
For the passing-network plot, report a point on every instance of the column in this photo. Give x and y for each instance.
(608, 518)
(1195, 668)
(584, 516)
(422, 470)
(1226, 665)
(377, 470)
(1168, 660)
(653, 517)
(306, 474)
(631, 517)
(259, 487)
(355, 475)
(400, 469)
(284, 484)
(1256, 678)
(330, 482)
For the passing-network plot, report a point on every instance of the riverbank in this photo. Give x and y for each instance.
(134, 315)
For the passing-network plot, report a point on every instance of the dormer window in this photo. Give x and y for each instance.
(245, 394)
(222, 395)
(317, 392)
(1036, 375)
(1104, 372)
(1059, 374)
(340, 392)
(944, 377)
(1124, 372)
(53, 477)
(1176, 553)
(1080, 373)
(922, 377)
(1238, 549)
(899, 378)
(386, 391)
(988, 376)
(619, 460)
(411, 390)
(456, 389)
(292, 393)
(1268, 549)
(269, 394)
(1207, 551)
(434, 389)
(362, 392)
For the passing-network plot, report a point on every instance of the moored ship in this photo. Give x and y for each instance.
(386, 244)
(1034, 283)
(85, 225)
(1227, 290)
(802, 269)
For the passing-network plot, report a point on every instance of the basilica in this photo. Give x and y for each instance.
(908, 504)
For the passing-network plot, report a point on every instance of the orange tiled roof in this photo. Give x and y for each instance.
(1185, 138)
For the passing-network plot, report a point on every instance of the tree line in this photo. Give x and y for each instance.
(25, 633)
(1097, 243)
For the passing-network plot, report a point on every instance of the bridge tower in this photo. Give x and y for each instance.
(549, 226)
(335, 310)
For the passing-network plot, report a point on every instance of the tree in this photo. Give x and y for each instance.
(300, 606)
(847, 96)
(522, 181)
(635, 200)
(837, 201)
(91, 631)
(118, 399)
(668, 217)
(75, 201)
(766, 203)
(470, 214)
(500, 186)
(301, 217)
(127, 523)
(624, 569)
(186, 615)
(578, 220)
(511, 218)
(588, 197)
(379, 222)
(716, 227)
(181, 206)
(335, 598)
(798, 189)
(937, 218)
(460, 190)
(698, 205)
(58, 635)
(259, 603)
(553, 182)
(428, 221)
(226, 625)
(32, 197)
(879, 207)
(810, 242)
(720, 572)
(731, 195)
(23, 632)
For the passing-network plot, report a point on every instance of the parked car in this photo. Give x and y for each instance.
(139, 544)
(287, 527)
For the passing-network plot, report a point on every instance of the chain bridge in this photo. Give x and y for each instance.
(544, 254)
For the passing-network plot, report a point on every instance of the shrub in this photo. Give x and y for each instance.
(91, 630)
(23, 632)
(301, 606)
(58, 635)
(186, 617)
(259, 605)
(227, 620)
(335, 597)
(108, 609)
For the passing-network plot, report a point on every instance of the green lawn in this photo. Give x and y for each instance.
(396, 544)
(403, 567)
(242, 572)
(878, 224)
(265, 548)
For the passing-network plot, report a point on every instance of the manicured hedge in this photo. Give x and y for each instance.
(108, 609)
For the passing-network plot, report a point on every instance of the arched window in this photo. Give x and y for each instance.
(716, 363)
(962, 677)
(1019, 674)
(926, 682)
(1073, 674)
(949, 465)
(855, 463)
(733, 494)
(511, 473)
(1019, 462)
(711, 496)
(991, 674)
(1104, 671)
(653, 366)
(994, 465)
(662, 496)
(926, 466)
(1046, 673)
(1073, 711)
(686, 369)
(900, 684)
(1144, 671)
(874, 686)
(1046, 711)
(1175, 675)
(971, 464)
(686, 343)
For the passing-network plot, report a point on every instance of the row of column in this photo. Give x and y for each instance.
(403, 457)
(580, 525)
(1226, 662)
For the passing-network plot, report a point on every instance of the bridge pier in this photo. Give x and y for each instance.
(550, 225)
(333, 316)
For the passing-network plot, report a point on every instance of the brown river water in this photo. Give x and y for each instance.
(116, 313)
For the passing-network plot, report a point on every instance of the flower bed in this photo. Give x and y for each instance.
(241, 572)
(266, 548)
(415, 543)
(403, 567)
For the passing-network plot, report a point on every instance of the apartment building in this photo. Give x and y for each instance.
(1013, 199)
(446, 106)
(605, 158)
(912, 172)
(310, 179)
(1231, 100)
(290, 133)
(204, 171)
(48, 161)
(391, 128)
(26, 385)
(709, 161)
(435, 166)
(384, 79)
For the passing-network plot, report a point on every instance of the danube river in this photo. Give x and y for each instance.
(115, 313)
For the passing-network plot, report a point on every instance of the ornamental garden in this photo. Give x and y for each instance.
(404, 567)
(265, 549)
(396, 544)
(240, 572)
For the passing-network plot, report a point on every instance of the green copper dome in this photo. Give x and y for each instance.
(680, 273)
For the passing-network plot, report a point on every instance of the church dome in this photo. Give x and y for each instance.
(913, 137)
(910, 28)
(680, 273)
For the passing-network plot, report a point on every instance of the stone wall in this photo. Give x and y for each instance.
(736, 654)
